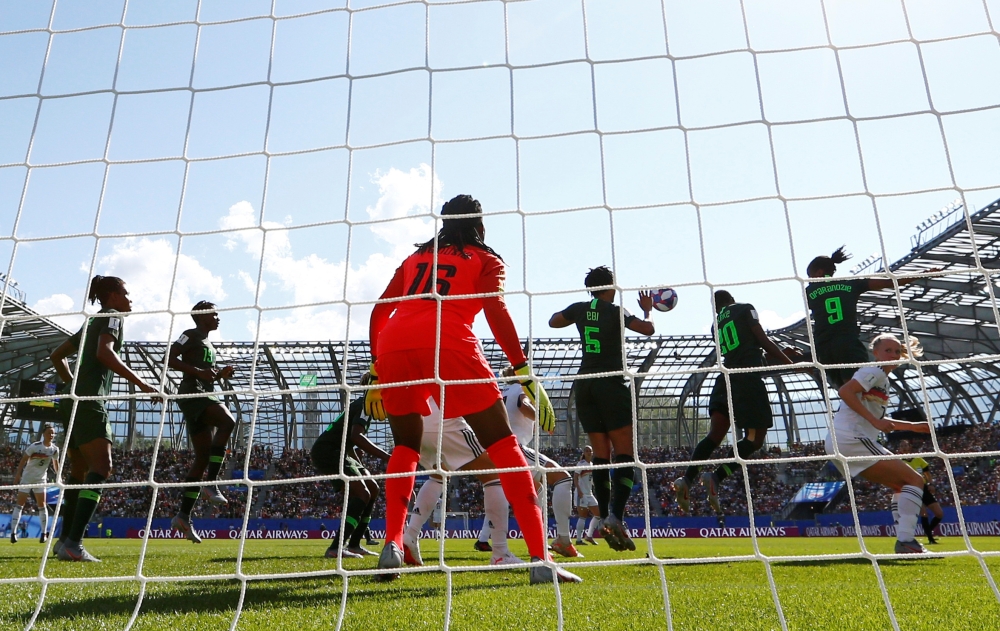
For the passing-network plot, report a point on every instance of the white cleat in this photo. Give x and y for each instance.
(543, 574)
(184, 527)
(214, 496)
(411, 549)
(507, 558)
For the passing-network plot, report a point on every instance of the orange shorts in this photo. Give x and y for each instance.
(414, 364)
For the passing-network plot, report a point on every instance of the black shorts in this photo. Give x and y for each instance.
(751, 406)
(326, 459)
(928, 496)
(844, 350)
(603, 404)
(193, 410)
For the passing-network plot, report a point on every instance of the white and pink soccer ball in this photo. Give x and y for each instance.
(664, 299)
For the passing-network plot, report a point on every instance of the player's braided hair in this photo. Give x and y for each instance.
(460, 232)
(102, 286)
(599, 276)
(827, 265)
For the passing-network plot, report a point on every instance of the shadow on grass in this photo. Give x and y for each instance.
(222, 596)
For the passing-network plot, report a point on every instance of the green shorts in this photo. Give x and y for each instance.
(603, 404)
(326, 459)
(844, 350)
(751, 406)
(91, 422)
(193, 409)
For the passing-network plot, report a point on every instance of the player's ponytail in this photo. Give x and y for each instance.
(827, 265)
(459, 232)
(103, 286)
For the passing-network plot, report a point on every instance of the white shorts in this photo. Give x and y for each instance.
(459, 445)
(588, 501)
(530, 455)
(852, 445)
(38, 486)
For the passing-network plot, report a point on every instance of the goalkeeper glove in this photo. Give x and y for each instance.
(544, 413)
(373, 397)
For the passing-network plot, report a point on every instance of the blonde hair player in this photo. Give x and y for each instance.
(856, 427)
(33, 469)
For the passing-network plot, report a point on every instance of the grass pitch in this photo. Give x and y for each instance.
(932, 593)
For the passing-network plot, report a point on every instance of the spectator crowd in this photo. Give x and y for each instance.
(771, 485)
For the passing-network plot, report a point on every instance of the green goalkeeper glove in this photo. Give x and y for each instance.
(373, 397)
(544, 413)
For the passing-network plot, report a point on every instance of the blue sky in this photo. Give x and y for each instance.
(709, 147)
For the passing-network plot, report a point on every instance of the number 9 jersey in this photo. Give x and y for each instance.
(834, 307)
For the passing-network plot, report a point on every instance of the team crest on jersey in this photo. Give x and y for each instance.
(878, 396)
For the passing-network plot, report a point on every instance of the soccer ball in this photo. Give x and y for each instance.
(664, 299)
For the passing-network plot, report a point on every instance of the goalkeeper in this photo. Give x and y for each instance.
(604, 403)
(418, 336)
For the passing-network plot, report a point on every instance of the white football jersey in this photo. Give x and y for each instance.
(586, 479)
(875, 397)
(522, 426)
(39, 457)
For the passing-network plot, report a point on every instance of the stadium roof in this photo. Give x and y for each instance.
(274, 395)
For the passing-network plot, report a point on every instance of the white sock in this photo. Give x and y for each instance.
(909, 502)
(15, 518)
(423, 506)
(497, 511)
(591, 527)
(43, 516)
(562, 505)
(581, 525)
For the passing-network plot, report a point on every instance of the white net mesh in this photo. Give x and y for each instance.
(695, 145)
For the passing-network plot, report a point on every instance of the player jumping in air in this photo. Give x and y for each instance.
(928, 500)
(209, 422)
(417, 336)
(856, 427)
(743, 343)
(33, 469)
(330, 450)
(834, 308)
(586, 503)
(460, 451)
(604, 404)
(522, 422)
(89, 446)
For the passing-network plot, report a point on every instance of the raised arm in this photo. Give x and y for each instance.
(875, 284)
(772, 349)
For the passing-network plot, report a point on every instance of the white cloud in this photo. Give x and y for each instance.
(771, 321)
(59, 303)
(314, 279)
(147, 267)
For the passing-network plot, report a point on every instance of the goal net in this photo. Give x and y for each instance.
(280, 158)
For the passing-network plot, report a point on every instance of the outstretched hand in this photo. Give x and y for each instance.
(646, 302)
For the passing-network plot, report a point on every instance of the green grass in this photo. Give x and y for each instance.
(940, 594)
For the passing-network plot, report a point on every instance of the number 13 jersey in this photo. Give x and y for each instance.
(414, 323)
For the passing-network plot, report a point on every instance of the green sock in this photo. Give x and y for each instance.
(85, 507)
(218, 455)
(624, 478)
